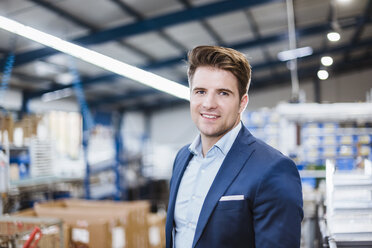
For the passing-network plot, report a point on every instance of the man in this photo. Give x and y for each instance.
(229, 189)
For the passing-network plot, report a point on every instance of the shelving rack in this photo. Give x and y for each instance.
(113, 164)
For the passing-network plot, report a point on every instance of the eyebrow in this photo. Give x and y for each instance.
(198, 88)
(219, 90)
(227, 90)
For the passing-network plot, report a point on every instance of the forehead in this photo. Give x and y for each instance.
(211, 77)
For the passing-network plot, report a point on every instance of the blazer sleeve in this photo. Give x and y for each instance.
(277, 209)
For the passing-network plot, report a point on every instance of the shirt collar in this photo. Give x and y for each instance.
(224, 144)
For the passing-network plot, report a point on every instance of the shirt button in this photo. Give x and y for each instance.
(189, 224)
(202, 171)
(193, 197)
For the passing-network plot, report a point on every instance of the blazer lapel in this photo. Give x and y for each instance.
(230, 168)
(179, 169)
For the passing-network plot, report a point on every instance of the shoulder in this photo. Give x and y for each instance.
(265, 157)
(182, 154)
(184, 151)
(263, 153)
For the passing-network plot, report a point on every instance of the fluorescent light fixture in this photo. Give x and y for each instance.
(295, 53)
(56, 95)
(326, 60)
(344, 1)
(323, 74)
(333, 36)
(95, 58)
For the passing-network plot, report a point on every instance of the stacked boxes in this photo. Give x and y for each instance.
(101, 223)
(135, 226)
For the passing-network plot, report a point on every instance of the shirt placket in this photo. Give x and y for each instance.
(195, 198)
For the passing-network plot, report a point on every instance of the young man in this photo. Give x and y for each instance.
(229, 189)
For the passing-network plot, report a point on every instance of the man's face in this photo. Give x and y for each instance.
(215, 104)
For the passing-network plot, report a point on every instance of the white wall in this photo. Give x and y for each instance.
(173, 126)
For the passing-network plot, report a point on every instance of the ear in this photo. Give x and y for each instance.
(243, 103)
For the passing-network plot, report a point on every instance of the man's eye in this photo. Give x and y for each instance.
(200, 92)
(223, 93)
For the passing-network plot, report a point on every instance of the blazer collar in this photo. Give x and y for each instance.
(230, 168)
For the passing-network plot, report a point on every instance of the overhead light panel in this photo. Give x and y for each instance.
(56, 95)
(295, 53)
(323, 74)
(326, 60)
(344, 1)
(95, 58)
(333, 36)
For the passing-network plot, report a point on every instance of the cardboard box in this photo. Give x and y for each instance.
(90, 228)
(137, 232)
(156, 230)
(121, 224)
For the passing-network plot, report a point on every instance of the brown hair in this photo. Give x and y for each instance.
(222, 58)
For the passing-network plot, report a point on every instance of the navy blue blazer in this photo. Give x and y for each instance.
(270, 214)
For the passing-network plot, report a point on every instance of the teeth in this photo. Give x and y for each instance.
(210, 116)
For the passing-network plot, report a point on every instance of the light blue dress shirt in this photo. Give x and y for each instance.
(195, 184)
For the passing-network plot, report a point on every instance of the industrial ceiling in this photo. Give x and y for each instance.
(156, 35)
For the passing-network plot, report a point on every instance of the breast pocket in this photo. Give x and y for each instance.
(233, 205)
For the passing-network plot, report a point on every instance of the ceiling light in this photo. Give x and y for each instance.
(344, 1)
(56, 95)
(64, 78)
(95, 58)
(295, 53)
(326, 60)
(322, 74)
(333, 36)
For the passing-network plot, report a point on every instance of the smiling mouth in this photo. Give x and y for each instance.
(211, 117)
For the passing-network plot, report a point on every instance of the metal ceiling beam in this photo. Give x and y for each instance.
(278, 78)
(84, 24)
(207, 27)
(139, 17)
(256, 31)
(303, 32)
(360, 28)
(125, 97)
(151, 24)
(107, 78)
(317, 53)
(309, 72)
(158, 105)
(78, 21)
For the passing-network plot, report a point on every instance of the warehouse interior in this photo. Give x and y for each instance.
(81, 137)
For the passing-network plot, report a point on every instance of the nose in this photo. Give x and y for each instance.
(210, 101)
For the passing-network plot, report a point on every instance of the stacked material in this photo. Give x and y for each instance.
(349, 207)
(101, 224)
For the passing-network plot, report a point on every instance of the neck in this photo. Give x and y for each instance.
(209, 141)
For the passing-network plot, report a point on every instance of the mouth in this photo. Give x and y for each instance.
(209, 116)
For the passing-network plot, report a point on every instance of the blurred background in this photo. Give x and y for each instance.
(80, 131)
